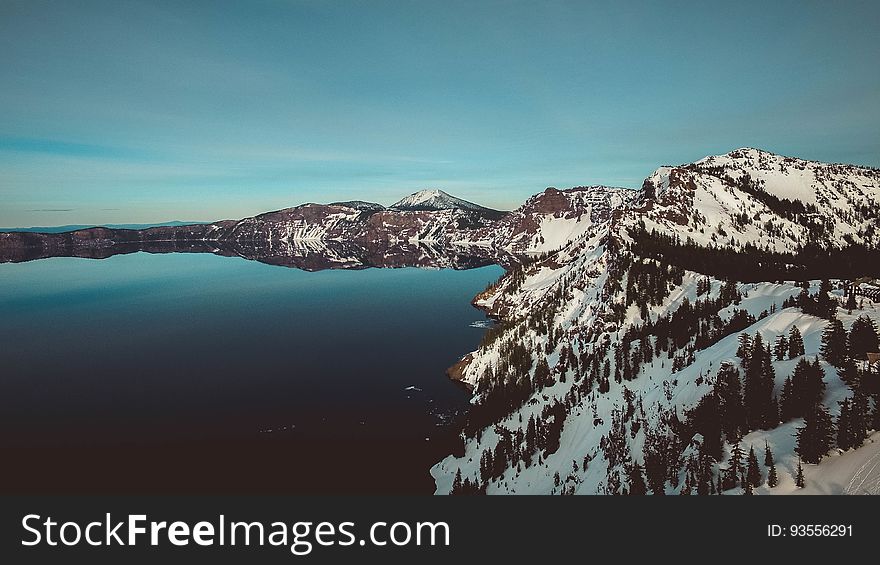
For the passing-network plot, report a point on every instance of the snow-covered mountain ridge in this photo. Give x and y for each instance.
(603, 374)
(752, 197)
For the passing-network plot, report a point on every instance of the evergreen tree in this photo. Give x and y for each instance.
(834, 347)
(807, 388)
(859, 421)
(456, 483)
(780, 348)
(637, 484)
(730, 403)
(863, 338)
(826, 305)
(787, 405)
(849, 372)
(851, 301)
(744, 351)
(844, 435)
(542, 373)
(773, 414)
(814, 438)
(531, 440)
(772, 479)
(769, 407)
(753, 472)
(734, 468)
(795, 343)
(747, 488)
(815, 390)
(759, 386)
(852, 423)
(799, 479)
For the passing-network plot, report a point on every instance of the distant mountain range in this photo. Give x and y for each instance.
(430, 217)
(76, 227)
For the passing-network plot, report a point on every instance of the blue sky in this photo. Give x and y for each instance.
(150, 111)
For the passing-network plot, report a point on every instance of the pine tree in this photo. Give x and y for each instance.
(542, 373)
(804, 300)
(734, 468)
(769, 408)
(759, 386)
(773, 413)
(844, 433)
(834, 347)
(826, 305)
(787, 405)
(852, 423)
(849, 373)
(851, 301)
(486, 466)
(531, 440)
(747, 488)
(637, 484)
(730, 403)
(815, 390)
(859, 419)
(780, 348)
(736, 457)
(814, 438)
(807, 388)
(753, 473)
(753, 366)
(863, 338)
(795, 343)
(772, 479)
(799, 479)
(456, 483)
(744, 351)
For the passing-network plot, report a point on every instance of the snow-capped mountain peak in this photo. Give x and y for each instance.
(752, 196)
(435, 199)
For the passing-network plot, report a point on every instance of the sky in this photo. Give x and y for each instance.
(125, 111)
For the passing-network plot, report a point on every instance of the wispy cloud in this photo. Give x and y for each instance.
(64, 148)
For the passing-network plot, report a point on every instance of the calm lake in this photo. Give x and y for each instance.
(200, 373)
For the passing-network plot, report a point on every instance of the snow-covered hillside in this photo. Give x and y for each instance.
(552, 219)
(608, 362)
(749, 196)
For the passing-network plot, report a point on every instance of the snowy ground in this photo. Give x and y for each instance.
(853, 472)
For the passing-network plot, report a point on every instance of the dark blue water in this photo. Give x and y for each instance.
(192, 372)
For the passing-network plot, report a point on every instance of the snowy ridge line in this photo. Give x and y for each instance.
(558, 410)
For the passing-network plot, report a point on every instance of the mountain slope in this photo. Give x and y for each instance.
(769, 201)
(553, 218)
(611, 349)
(434, 200)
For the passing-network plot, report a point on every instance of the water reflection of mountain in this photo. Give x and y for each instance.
(307, 255)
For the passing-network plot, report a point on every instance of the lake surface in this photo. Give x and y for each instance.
(201, 373)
